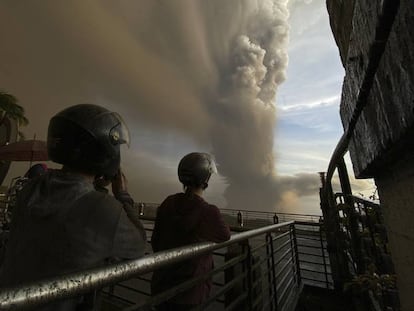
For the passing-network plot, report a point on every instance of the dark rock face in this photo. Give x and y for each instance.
(341, 13)
(382, 144)
(387, 121)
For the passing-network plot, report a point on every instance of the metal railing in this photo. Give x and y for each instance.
(372, 232)
(254, 219)
(311, 238)
(241, 218)
(314, 267)
(258, 269)
(314, 261)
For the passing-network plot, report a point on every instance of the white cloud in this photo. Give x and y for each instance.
(321, 103)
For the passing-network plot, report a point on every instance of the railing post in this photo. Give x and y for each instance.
(232, 272)
(323, 256)
(271, 268)
(249, 274)
(353, 218)
(296, 252)
(141, 209)
(371, 229)
(240, 219)
(334, 236)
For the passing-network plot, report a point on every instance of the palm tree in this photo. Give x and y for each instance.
(10, 109)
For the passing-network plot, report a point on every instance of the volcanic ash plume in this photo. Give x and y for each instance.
(206, 69)
(244, 114)
(232, 54)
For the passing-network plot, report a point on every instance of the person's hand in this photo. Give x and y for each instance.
(119, 183)
(102, 182)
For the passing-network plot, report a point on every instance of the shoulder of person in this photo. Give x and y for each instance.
(102, 201)
(211, 208)
(169, 199)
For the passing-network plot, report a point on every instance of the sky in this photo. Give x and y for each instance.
(308, 120)
(256, 83)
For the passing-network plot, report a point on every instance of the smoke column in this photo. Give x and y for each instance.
(207, 69)
(242, 131)
(233, 55)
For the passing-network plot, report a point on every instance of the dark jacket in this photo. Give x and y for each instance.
(61, 225)
(184, 219)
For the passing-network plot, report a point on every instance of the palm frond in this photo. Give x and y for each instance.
(12, 110)
(21, 136)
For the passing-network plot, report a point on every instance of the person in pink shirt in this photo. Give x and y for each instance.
(186, 218)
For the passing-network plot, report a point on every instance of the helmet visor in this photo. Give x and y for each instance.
(213, 167)
(119, 134)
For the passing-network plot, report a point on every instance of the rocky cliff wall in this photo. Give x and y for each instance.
(385, 127)
(382, 144)
(341, 13)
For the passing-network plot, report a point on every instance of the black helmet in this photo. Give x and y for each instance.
(87, 137)
(195, 169)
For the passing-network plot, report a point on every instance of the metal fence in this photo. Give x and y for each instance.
(258, 273)
(311, 241)
(255, 270)
(314, 261)
(311, 238)
(241, 218)
(370, 228)
(254, 219)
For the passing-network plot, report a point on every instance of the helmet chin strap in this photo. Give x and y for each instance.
(205, 184)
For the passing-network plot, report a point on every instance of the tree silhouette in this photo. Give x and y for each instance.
(10, 109)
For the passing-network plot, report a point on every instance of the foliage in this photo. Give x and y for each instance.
(9, 108)
(371, 281)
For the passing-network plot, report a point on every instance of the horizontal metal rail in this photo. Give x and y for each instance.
(356, 199)
(184, 286)
(251, 216)
(220, 294)
(313, 256)
(310, 254)
(312, 262)
(82, 282)
(316, 280)
(311, 236)
(282, 246)
(247, 215)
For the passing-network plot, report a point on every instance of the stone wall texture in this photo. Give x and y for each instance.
(385, 127)
(382, 144)
(341, 12)
(396, 189)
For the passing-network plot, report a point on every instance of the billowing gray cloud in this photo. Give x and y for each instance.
(206, 70)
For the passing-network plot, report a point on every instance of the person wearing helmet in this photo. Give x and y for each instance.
(61, 224)
(186, 218)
